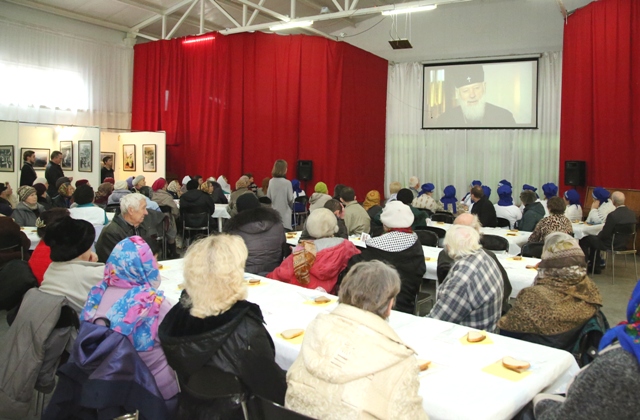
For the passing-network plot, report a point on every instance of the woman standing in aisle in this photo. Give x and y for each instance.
(281, 192)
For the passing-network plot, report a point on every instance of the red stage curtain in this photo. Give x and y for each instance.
(237, 103)
(600, 90)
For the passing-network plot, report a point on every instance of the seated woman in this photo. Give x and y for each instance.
(317, 263)
(607, 387)
(319, 196)
(43, 198)
(214, 327)
(28, 209)
(40, 257)
(556, 221)
(174, 189)
(562, 298)
(85, 209)
(297, 192)
(505, 207)
(120, 189)
(64, 199)
(102, 195)
(129, 298)
(371, 200)
(574, 209)
(425, 199)
(450, 203)
(352, 364)
(217, 194)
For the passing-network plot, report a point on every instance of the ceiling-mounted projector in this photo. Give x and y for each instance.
(400, 44)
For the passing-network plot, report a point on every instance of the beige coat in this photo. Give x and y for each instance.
(354, 366)
(356, 218)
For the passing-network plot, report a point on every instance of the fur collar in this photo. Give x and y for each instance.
(260, 214)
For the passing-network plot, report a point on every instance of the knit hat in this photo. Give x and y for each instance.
(62, 180)
(83, 194)
(158, 184)
(40, 180)
(504, 182)
(40, 189)
(120, 185)
(504, 192)
(550, 190)
(405, 195)
(322, 223)
(69, 238)
(468, 74)
(573, 197)
(130, 182)
(247, 202)
(137, 179)
(426, 188)
(110, 180)
(81, 182)
(397, 215)
(601, 194)
(321, 188)
(487, 191)
(25, 192)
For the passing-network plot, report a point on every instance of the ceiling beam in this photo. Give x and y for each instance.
(159, 11)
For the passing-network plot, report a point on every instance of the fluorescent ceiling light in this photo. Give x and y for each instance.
(409, 10)
(291, 25)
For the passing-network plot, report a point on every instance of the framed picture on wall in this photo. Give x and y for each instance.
(42, 157)
(66, 148)
(129, 157)
(149, 156)
(111, 155)
(6, 159)
(85, 152)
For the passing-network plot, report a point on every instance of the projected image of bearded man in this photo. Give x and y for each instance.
(472, 109)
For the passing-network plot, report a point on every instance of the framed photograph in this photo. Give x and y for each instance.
(112, 155)
(42, 157)
(149, 156)
(66, 148)
(129, 157)
(6, 159)
(85, 152)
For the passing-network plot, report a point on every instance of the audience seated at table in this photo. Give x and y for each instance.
(533, 211)
(242, 187)
(64, 199)
(128, 297)
(28, 209)
(394, 187)
(355, 216)
(556, 221)
(425, 199)
(482, 207)
(280, 192)
(466, 200)
(336, 208)
(214, 327)
(319, 196)
(317, 263)
(472, 292)
(262, 231)
(40, 257)
(138, 182)
(13, 242)
(574, 209)
(43, 198)
(601, 206)
(505, 207)
(85, 209)
(607, 387)
(75, 268)
(352, 364)
(400, 248)
(102, 195)
(450, 203)
(563, 296)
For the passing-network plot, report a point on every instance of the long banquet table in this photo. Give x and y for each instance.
(456, 374)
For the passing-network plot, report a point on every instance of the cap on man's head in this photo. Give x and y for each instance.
(467, 75)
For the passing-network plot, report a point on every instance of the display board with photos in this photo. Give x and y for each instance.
(85, 153)
(149, 157)
(66, 148)
(42, 157)
(7, 158)
(129, 157)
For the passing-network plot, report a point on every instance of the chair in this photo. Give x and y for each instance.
(263, 409)
(427, 238)
(300, 216)
(494, 243)
(426, 297)
(502, 222)
(166, 210)
(429, 212)
(438, 231)
(113, 208)
(209, 387)
(445, 217)
(197, 221)
(627, 232)
(532, 249)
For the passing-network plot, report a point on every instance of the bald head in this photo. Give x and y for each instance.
(468, 219)
(617, 198)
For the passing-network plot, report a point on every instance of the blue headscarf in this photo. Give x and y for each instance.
(475, 182)
(426, 188)
(526, 187)
(504, 182)
(449, 198)
(504, 192)
(295, 184)
(550, 190)
(487, 191)
(627, 332)
(573, 196)
(601, 194)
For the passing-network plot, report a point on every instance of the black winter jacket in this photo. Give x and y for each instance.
(196, 201)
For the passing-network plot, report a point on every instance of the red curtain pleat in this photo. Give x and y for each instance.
(237, 103)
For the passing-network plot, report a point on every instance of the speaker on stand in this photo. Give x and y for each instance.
(305, 171)
(575, 172)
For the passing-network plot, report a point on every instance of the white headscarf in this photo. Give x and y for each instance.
(186, 179)
(224, 184)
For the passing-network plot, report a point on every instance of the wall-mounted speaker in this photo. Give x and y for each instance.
(575, 172)
(305, 170)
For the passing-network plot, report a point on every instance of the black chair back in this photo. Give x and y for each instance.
(427, 238)
(442, 270)
(194, 219)
(443, 217)
(428, 212)
(438, 231)
(262, 409)
(502, 222)
(623, 233)
(302, 199)
(113, 208)
(532, 249)
(494, 243)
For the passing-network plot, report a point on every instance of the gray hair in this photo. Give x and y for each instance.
(370, 286)
(461, 241)
(130, 201)
(322, 223)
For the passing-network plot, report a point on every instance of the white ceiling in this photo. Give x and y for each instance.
(475, 28)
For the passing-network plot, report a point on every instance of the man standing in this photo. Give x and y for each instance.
(53, 172)
(483, 208)
(27, 173)
(107, 168)
(355, 216)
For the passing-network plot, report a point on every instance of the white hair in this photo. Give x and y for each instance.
(131, 201)
(461, 241)
(413, 181)
(322, 223)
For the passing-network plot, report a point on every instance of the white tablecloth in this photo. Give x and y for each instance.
(581, 229)
(516, 239)
(456, 374)
(32, 234)
(294, 237)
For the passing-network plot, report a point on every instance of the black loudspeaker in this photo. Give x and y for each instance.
(575, 172)
(305, 170)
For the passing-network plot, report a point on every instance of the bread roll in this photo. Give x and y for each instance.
(292, 333)
(475, 336)
(322, 299)
(515, 365)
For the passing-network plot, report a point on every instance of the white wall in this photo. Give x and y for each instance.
(113, 142)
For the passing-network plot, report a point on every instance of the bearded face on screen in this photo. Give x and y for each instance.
(471, 101)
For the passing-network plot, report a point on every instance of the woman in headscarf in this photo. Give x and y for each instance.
(298, 192)
(550, 190)
(450, 203)
(65, 193)
(562, 298)
(28, 209)
(102, 195)
(319, 197)
(242, 187)
(372, 199)
(601, 206)
(119, 190)
(608, 387)
(505, 207)
(129, 298)
(224, 184)
(425, 200)
(185, 181)
(174, 189)
(574, 209)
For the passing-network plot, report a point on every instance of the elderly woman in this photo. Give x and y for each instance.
(394, 187)
(102, 195)
(174, 189)
(405, 196)
(41, 256)
(450, 203)
(555, 222)
(425, 199)
(242, 187)
(505, 207)
(215, 329)
(120, 189)
(129, 298)
(562, 298)
(43, 198)
(372, 199)
(364, 370)
(317, 263)
(64, 199)
(601, 207)
(280, 192)
(28, 209)
(574, 209)
(319, 197)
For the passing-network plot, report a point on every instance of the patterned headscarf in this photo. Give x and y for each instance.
(174, 186)
(449, 198)
(131, 266)
(627, 332)
(426, 188)
(372, 199)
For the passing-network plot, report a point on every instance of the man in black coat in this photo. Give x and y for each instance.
(53, 172)
(483, 208)
(27, 173)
